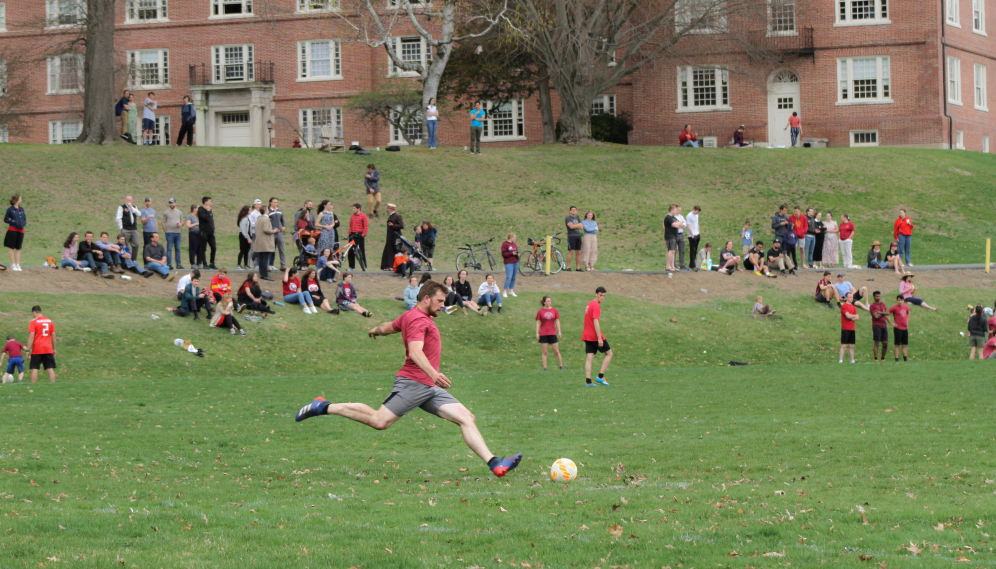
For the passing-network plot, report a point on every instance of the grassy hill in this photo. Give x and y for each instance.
(950, 195)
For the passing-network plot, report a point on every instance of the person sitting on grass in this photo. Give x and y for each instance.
(224, 316)
(760, 307)
(907, 288)
(94, 257)
(755, 261)
(293, 293)
(220, 284)
(489, 294)
(728, 260)
(127, 259)
(779, 258)
(826, 292)
(345, 297)
(875, 258)
(181, 284)
(463, 290)
(843, 287)
(548, 332)
(251, 296)
(13, 350)
(70, 250)
(411, 293)
(195, 298)
(453, 300)
(894, 259)
(314, 288)
(738, 138)
(111, 252)
(155, 258)
(403, 263)
(703, 259)
(327, 266)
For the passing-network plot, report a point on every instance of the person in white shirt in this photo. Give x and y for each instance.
(149, 119)
(489, 294)
(681, 240)
(184, 281)
(432, 122)
(254, 214)
(127, 217)
(692, 224)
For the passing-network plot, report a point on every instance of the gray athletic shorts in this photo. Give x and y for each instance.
(408, 394)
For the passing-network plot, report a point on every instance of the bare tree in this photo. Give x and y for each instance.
(98, 74)
(15, 97)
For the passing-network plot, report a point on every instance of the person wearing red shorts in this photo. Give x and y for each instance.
(594, 340)
(548, 332)
(418, 383)
(848, 316)
(41, 344)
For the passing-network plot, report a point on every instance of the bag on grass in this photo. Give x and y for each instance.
(180, 311)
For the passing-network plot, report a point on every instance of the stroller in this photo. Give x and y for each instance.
(304, 258)
(415, 252)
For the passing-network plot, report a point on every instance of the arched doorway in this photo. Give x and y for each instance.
(784, 98)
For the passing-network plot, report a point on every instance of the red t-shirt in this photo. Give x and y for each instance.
(13, 349)
(901, 316)
(846, 230)
(879, 307)
(989, 348)
(246, 285)
(292, 286)
(992, 326)
(592, 312)
(794, 122)
(313, 286)
(845, 322)
(822, 282)
(43, 329)
(799, 225)
(548, 321)
(417, 326)
(220, 284)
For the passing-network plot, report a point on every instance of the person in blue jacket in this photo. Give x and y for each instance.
(15, 220)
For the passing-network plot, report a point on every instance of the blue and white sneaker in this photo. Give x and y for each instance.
(601, 381)
(313, 409)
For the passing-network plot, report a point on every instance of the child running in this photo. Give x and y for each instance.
(548, 332)
(12, 349)
(594, 340)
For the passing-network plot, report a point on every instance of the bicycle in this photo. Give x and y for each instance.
(341, 253)
(468, 259)
(535, 260)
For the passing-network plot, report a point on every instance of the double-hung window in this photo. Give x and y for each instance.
(149, 68)
(319, 60)
(231, 8)
(979, 16)
(65, 13)
(233, 63)
(64, 132)
(305, 6)
(313, 120)
(862, 12)
(3, 18)
(980, 88)
(3, 78)
(3, 134)
(604, 104)
(781, 18)
(140, 11)
(410, 50)
(65, 74)
(703, 89)
(954, 80)
(505, 121)
(701, 16)
(863, 80)
(952, 13)
(412, 125)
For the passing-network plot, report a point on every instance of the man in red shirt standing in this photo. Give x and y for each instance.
(900, 331)
(800, 225)
(902, 232)
(418, 383)
(880, 321)
(41, 344)
(846, 232)
(848, 316)
(359, 224)
(594, 340)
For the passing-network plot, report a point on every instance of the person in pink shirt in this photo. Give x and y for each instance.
(907, 288)
(795, 123)
(548, 332)
(900, 327)
(846, 241)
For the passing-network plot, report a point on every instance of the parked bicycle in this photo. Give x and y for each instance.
(474, 256)
(535, 260)
(342, 253)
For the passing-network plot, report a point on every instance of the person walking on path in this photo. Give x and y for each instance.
(41, 344)
(846, 232)
(418, 383)
(848, 316)
(127, 218)
(359, 224)
(880, 322)
(193, 235)
(902, 232)
(831, 242)
(328, 222)
(278, 226)
(589, 243)
(794, 123)
(188, 117)
(510, 256)
(477, 115)
(16, 221)
(900, 331)
(692, 224)
(907, 288)
(263, 246)
(574, 226)
(205, 220)
(395, 223)
(594, 340)
(172, 223)
(548, 332)
(432, 122)
(371, 181)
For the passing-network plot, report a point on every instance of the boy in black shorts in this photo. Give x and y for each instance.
(594, 340)
(848, 316)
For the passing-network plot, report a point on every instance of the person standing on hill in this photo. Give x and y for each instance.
(977, 329)
(41, 344)
(127, 218)
(149, 120)
(188, 117)
(432, 122)
(548, 332)
(119, 111)
(671, 226)
(359, 224)
(263, 246)
(147, 215)
(902, 231)
(477, 115)
(680, 265)
(205, 220)
(846, 241)
(510, 256)
(900, 331)
(692, 223)
(395, 224)
(880, 322)
(746, 239)
(193, 235)
(16, 220)
(371, 180)
(278, 226)
(780, 223)
(795, 123)
(13, 349)
(594, 339)
(172, 228)
(848, 316)
(574, 226)
(799, 226)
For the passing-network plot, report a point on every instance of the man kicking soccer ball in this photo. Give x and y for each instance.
(418, 382)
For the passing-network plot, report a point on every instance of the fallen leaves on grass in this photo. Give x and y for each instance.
(774, 554)
(388, 549)
(502, 510)
(962, 559)
(779, 492)
(864, 557)
(939, 526)
(616, 530)
(914, 549)
(733, 554)
(53, 559)
(620, 468)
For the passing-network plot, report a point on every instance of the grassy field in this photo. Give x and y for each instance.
(526, 190)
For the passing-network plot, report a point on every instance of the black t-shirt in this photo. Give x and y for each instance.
(669, 231)
(775, 253)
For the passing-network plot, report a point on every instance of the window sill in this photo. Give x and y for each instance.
(64, 92)
(953, 24)
(959, 103)
(323, 11)
(865, 102)
(862, 23)
(980, 32)
(403, 74)
(231, 16)
(403, 143)
(983, 109)
(791, 34)
(318, 79)
(139, 22)
(502, 138)
(704, 109)
(864, 146)
(63, 26)
(164, 87)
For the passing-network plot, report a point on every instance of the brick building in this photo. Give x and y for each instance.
(859, 72)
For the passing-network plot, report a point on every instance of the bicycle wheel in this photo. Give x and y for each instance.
(362, 258)
(558, 262)
(463, 262)
(527, 264)
(491, 261)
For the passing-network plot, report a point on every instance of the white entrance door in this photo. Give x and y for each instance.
(233, 129)
(784, 98)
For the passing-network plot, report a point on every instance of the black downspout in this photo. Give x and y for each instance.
(944, 77)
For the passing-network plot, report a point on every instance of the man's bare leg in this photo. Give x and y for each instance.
(51, 375)
(457, 413)
(587, 365)
(362, 413)
(605, 361)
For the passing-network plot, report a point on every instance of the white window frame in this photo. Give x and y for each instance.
(135, 74)
(985, 143)
(4, 134)
(54, 67)
(3, 78)
(308, 129)
(55, 129)
(685, 14)
(952, 13)
(883, 77)
(304, 67)
(312, 6)
(425, 57)
(396, 137)
(3, 20)
(161, 134)
(218, 71)
(396, 5)
(854, 144)
(844, 14)
(771, 18)
(217, 9)
(981, 90)
(53, 13)
(959, 140)
(133, 7)
(979, 17)
(954, 80)
(608, 104)
(518, 122)
(686, 103)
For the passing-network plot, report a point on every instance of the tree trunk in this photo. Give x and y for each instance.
(575, 120)
(546, 111)
(98, 75)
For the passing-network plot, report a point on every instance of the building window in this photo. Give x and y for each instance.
(3, 78)
(64, 13)
(954, 80)
(604, 104)
(979, 16)
(395, 4)
(409, 49)
(312, 121)
(960, 139)
(3, 134)
(64, 132)
(319, 60)
(504, 121)
(980, 88)
(231, 8)
(951, 13)
(65, 74)
(862, 12)
(3, 24)
(863, 80)
(985, 144)
(781, 17)
(138, 11)
(703, 89)
(161, 136)
(864, 138)
(149, 68)
(412, 126)
(318, 5)
(701, 16)
(233, 64)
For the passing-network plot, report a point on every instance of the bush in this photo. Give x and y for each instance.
(609, 128)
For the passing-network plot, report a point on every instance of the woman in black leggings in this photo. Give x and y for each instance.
(193, 236)
(244, 242)
(251, 297)
(224, 316)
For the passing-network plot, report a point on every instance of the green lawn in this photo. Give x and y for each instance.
(526, 190)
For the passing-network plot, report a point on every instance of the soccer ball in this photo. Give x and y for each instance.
(564, 470)
(8, 378)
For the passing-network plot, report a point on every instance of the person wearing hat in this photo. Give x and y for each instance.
(394, 226)
(875, 256)
(907, 288)
(894, 259)
(843, 287)
(172, 223)
(147, 215)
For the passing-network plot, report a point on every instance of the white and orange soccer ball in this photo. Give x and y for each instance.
(564, 470)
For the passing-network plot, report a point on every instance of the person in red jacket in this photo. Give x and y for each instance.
(510, 254)
(800, 225)
(902, 232)
(687, 138)
(359, 224)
